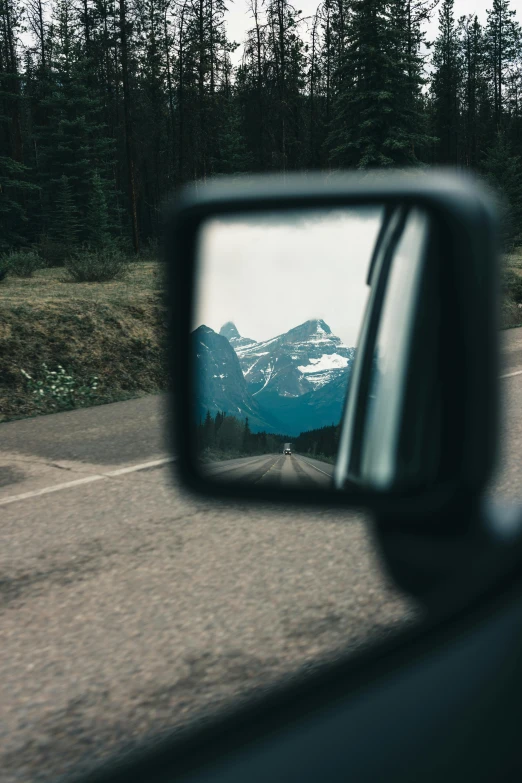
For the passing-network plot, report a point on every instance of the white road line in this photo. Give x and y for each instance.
(134, 469)
(511, 374)
(316, 468)
(86, 480)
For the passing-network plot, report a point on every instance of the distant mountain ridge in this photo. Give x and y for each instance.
(221, 386)
(291, 383)
(296, 362)
(229, 331)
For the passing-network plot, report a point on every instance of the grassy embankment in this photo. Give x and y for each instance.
(113, 331)
(511, 309)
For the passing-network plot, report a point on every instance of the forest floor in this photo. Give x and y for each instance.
(114, 331)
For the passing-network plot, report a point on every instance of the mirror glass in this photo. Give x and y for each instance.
(282, 299)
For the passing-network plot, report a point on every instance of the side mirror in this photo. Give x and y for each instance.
(334, 340)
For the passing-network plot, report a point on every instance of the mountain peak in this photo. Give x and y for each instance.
(229, 330)
(314, 329)
(322, 326)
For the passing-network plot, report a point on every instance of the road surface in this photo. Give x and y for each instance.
(129, 608)
(273, 470)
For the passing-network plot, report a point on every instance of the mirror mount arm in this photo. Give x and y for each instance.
(475, 538)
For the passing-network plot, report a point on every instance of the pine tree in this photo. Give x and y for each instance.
(208, 431)
(409, 136)
(73, 140)
(128, 126)
(14, 186)
(504, 172)
(285, 82)
(502, 41)
(377, 119)
(251, 88)
(218, 420)
(10, 83)
(474, 99)
(97, 219)
(246, 437)
(231, 152)
(445, 87)
(66, 228)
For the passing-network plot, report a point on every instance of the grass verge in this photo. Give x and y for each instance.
(321, 458)
(113, 330)
(511, 311)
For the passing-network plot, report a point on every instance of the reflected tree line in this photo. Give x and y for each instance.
(321, 443)
(224, 437)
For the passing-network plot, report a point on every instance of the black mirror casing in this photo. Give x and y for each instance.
(464, 271)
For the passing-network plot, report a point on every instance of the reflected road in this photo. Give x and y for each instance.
(273, 469)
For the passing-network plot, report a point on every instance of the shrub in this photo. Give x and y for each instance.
(23, 263)
(151, 250)
(54, 252)
(96, 266)
(60, 391)
(512, 285)
(511, 314)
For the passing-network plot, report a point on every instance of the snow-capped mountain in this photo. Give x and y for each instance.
(221, 385)
(302, 360)
(298, 378)
(229, 331)
(294, 382)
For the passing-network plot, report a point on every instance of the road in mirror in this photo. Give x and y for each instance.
(279, 306)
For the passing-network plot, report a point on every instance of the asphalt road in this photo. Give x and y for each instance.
(129, 608)
(274, 470)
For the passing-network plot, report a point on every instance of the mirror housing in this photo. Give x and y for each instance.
(454, 344)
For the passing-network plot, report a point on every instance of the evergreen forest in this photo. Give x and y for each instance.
(107, 106)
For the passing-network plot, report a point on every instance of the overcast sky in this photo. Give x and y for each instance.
(268, 277)
(239, 21)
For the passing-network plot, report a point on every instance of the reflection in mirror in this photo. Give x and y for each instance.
(301, 340)
(280, 301)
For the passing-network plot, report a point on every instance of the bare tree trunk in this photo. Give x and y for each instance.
(169, 90)
(128, 128)
(181, 97)
(259, 85)
(201, 163)
(36, 21)
(86, 30)
(328, 44)
(313, 156)
(12, 69)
